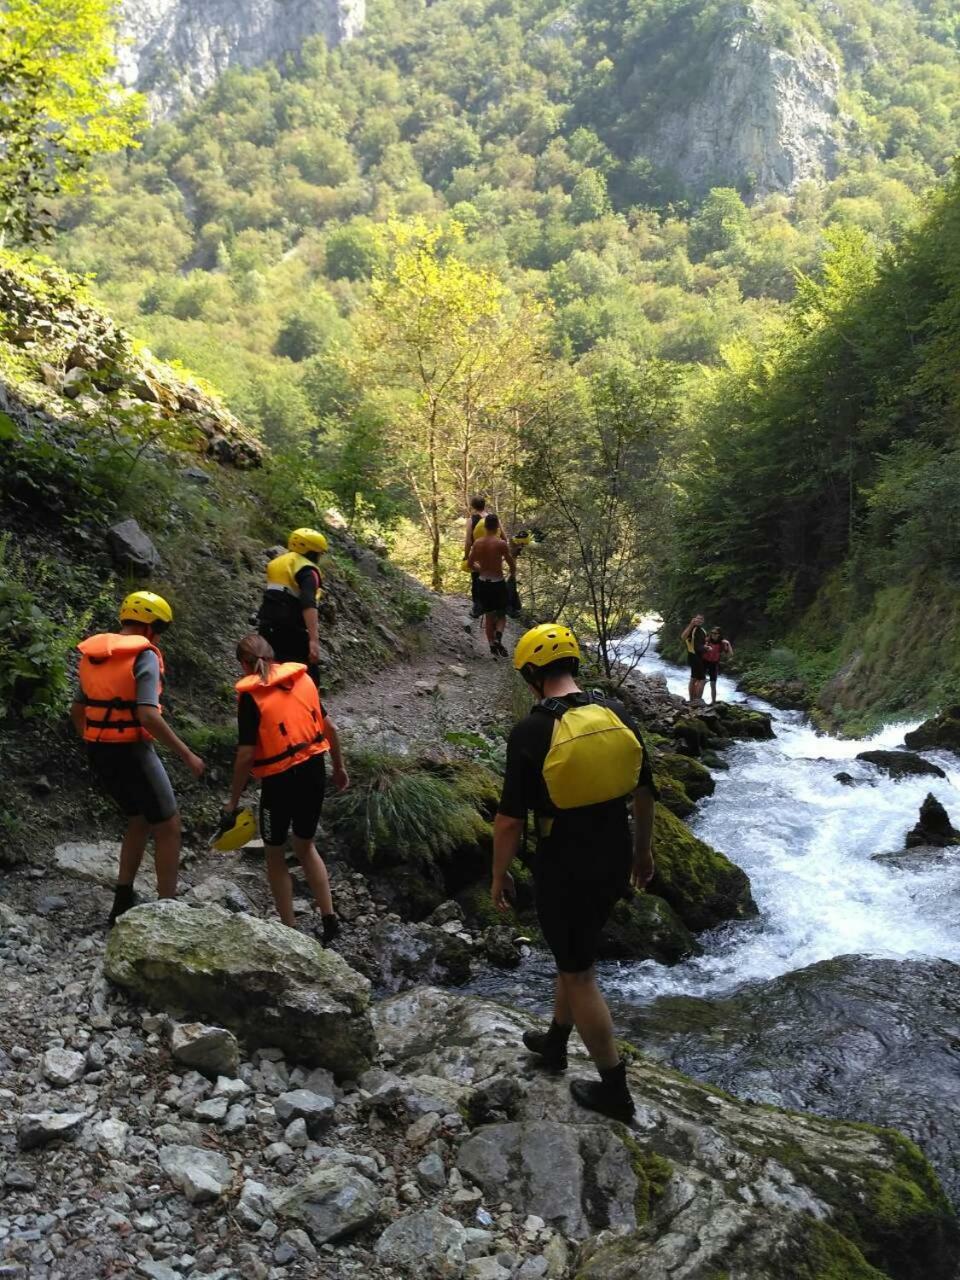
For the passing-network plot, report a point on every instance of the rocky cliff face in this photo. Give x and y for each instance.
(763, 115)
(174, 50)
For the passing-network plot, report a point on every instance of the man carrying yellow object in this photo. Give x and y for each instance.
(575, 760)
(117, 714)
(288, 613)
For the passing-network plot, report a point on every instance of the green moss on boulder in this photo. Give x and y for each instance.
(942, 731)
(644, 927)
(693, 776)
(702, 886)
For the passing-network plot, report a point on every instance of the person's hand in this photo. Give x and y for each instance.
(313, 652)
(502, 891)
(227, 818)
(341, 779)
(643, 869)
(194, 764)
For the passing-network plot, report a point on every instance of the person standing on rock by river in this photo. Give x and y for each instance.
(714, 650)
(575, 760)
(288, 612)
(694, 638)
(488, 555)
(284, 735)
(117, 714)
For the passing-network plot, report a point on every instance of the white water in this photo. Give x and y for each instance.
(805, 841)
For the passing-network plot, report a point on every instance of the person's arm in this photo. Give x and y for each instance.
(242, 763)
(686, 631)
(510, 559)
(472, 556)
(78, 716)
(468, 539)
(341, 779)
(309, 583)
(507, 835)
(644, 806)
(154, 723)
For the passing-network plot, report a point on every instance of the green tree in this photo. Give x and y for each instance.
(721, 225)
(59, 106)
(355, 251)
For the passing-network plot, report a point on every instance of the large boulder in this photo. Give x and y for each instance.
(703, 887)
(933, 826)
(902, 764)
(132, 550)
(853, 1038)
(270, 984)
(644, 927)
(942, 730)
(700, 1175)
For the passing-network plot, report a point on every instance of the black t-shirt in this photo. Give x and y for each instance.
(524, 788)
(280, 608)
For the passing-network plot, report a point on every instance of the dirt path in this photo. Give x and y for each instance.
(452, 684)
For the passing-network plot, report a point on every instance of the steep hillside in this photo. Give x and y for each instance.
(95, 433)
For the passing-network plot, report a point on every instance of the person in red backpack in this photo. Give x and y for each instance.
(284, 735)
(715, 649)
(117, 714)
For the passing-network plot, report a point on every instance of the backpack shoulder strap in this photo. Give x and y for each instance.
(552, 707)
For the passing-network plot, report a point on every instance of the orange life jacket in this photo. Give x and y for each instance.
(108, 686)
(292, 727)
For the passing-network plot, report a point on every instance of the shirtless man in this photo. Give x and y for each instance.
(487, 558)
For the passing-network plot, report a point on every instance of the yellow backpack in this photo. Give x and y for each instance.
(593, 756)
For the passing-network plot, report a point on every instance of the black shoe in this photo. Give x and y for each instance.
(609, 1095)
(124, 899)
(502, 651)
(550, 1046)
(495, 651)
(331, 928)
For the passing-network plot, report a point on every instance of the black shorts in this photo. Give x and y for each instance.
(293, 798)
(290, 644)
(711, 670)
(573, 906)
(492, 597)
(133, 777)
(698, 669)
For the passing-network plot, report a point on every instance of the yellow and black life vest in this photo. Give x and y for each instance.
(593, 757)
(689, 640)
(292, 727)
(282, 573)
(108, 686)
(480, 530)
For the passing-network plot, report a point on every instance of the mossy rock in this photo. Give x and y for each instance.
(673, 794)
(690, 735)
(644, 927)
(702, 886)
(942, 731)
(691, 774)
(737, 721)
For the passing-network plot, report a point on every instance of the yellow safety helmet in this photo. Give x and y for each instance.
(545, 644)
(146, 607)
(305, 540)
(235, 837)
(522, 538)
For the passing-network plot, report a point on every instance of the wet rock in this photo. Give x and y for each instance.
(845, 779)
(331, 1203)
(62, 1067)
(131, 549)
(901, 764)
(934, 826)
(499, 946)
(405, 954)
(942, 730)
(702, 886)
(270, 984)
(694, 777)
(710, 1171)
(212, 1050)
(645, 927)
(852, 1038)
(41, 1127)
(427, 1244)
(200, 1174)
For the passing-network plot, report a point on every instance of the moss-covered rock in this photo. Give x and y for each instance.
(673, 794)
(692, 774)
(942, 730)
(271, 984)
(644, 927)
(702, 886)
(738, 721)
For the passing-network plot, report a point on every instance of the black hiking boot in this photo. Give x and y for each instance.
(609, 1095)
(494, 651)
(550, 1046)
(124, 899)
(331, 928)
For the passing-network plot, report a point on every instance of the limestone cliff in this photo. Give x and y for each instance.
(763, 116)
(174, 50)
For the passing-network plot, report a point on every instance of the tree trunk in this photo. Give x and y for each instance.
(436, 578)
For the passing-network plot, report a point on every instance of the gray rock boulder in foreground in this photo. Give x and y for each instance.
(704, 1184)
(270, 984)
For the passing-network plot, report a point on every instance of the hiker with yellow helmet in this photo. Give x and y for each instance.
(575, 761)
(288, 612)
(117, 714)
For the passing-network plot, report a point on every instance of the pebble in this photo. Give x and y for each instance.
(62, 1067)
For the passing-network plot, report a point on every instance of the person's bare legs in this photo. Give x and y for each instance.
(490, 627)
(562, 1013)
(713, 693)
(590, 1016)
(167, 838)
(132, 848)
(315, 870)
(281, 885)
